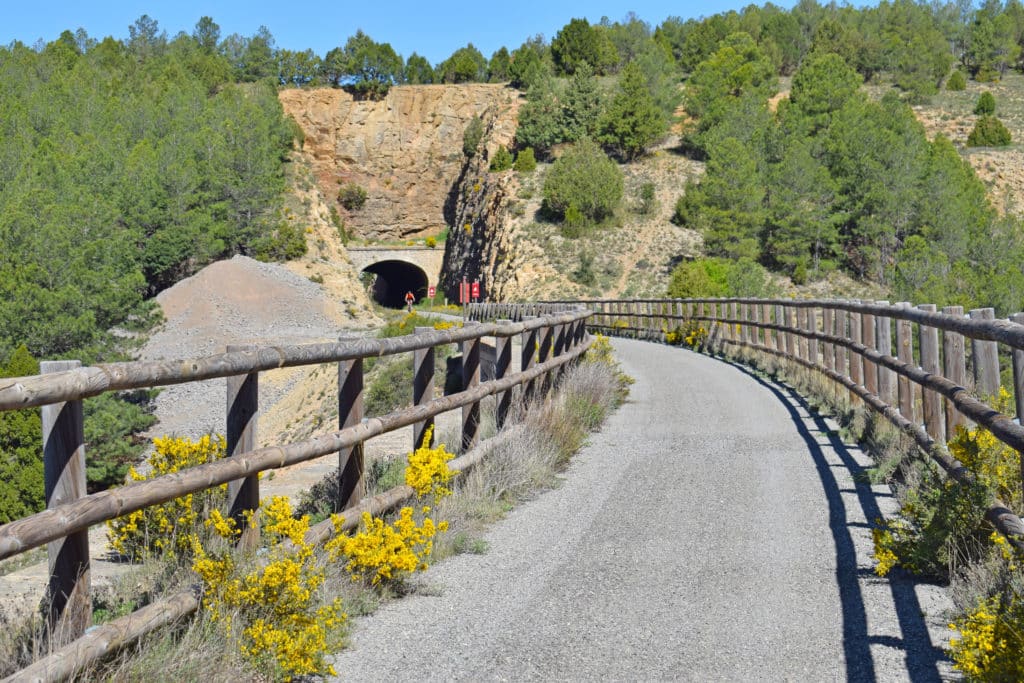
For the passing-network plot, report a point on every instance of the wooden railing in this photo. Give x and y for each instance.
(70, 512)
(909, 364)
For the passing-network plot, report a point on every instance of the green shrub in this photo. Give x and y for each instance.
(352, 196)
(647, 202)
(526, 162)
(799, 276)
(472, 136)
(584, 178)
(21, 443)
(502, 160)
(287, 242)
(584, 273)
(988, 132)
(956, 81)
(986, 104)
(711, 277)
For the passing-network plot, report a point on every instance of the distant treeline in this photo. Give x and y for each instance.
(123, 168)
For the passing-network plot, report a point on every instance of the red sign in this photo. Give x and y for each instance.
(476, 290)
(431, 291)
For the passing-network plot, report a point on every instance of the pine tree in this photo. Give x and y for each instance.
(632, 121)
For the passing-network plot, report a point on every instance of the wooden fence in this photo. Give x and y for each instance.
(908, 363)
(549, 342)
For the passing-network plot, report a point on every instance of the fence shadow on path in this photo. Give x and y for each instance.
(921, 655)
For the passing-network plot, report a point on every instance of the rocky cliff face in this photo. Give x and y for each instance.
(479, 246)
(404, 150)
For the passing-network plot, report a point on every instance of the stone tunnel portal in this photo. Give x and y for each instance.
(392, 279)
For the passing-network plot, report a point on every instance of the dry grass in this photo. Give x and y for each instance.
(528, 455)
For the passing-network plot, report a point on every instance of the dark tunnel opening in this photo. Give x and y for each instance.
(393, 279)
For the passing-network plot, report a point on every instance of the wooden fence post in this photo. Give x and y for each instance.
(828, 328)
(351, 479)
(839, 352)
(502, 364)
(985, 355)
(755, 330)
(545, 345)
(243, 407)
(68, 603)
(855, 359)
(527, 355)
(801, 341)
(558, 347)
(1018, 383)
(867, 335)
(470, 379)
(781, 338)
(423, 362)
(931, 402)
(954, 369)
(905, 352)
(883, 344)
(812, 343)
(766, 317)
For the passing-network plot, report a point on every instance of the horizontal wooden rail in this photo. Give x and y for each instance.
(742, 322)
(71, 385)
(33, 531)
(66, 516)
(1002, 331)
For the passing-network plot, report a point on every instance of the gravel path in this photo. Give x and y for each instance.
(711, 531)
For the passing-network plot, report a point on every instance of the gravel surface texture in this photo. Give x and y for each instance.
(713, 530)
(237, 301)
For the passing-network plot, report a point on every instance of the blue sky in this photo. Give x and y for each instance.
(432, 28)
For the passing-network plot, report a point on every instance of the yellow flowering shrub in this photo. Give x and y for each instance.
(384, 552)
(281, 625)
(996, 465)
(427, 472)
(884, 553)
(990, 640)
(446, 324)
(695, 336)
(169, 528)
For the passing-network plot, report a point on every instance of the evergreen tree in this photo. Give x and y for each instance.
(418, 70)
(540, 118)
(632, 121)
(582, 105)
(727, 205)
(466, 65)
(21, 448)
(498, 67)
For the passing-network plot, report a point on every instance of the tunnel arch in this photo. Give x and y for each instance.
(393, 278)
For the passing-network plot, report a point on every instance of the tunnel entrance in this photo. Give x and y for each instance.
(392, 279)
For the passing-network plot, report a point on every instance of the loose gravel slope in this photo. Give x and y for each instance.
(711, 531)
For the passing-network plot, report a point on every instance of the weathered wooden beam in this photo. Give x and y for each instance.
(423, 388)
(985, 356)
(954, 369)
(49, 525)
(351, 466)
(243, 407)
(905, 352)
(38, 390)
(502, 366)
(883, 344)
(928, 340)
(470, 380)
(68, 604)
